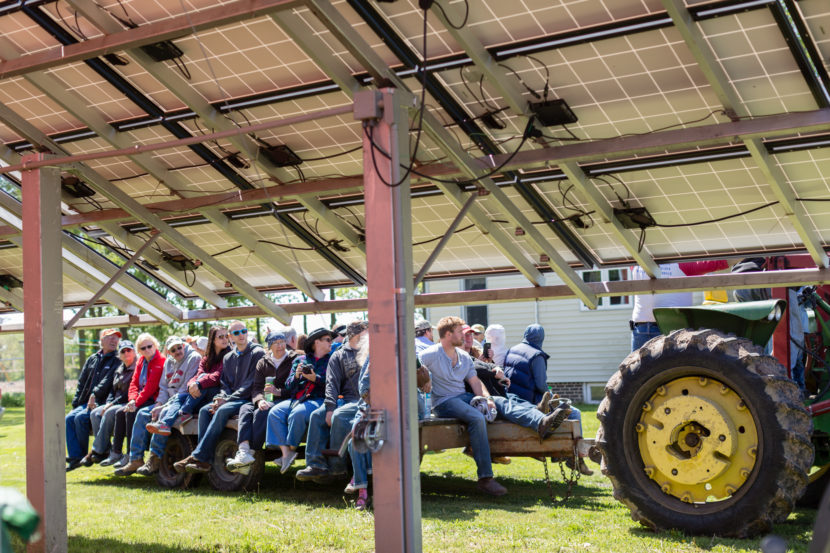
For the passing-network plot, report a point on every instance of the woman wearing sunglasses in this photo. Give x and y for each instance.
(306, 384)
(144, 388)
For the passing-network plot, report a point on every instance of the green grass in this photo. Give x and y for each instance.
(134, 515)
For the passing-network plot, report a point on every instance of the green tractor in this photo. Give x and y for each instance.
(703, 432)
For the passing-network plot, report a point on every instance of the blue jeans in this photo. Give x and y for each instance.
(458, 407)
(287, 424)
(361, 462)
(518, 411)
(78, 426)
(191, 405)
(211, 427)
(319, 435)
(168, 413)
(642, 333)
(106, 425)
(140, 440)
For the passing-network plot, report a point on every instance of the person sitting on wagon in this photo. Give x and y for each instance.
(144, 388)
(306, 385)
(180, 408)
(237, 380)
(332, 421)
(94, 385)
(449, 367)
(103, 416)
(269, 387)
(182, 363)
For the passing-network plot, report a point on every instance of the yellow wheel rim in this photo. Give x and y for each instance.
(817, 473)
(697, 439)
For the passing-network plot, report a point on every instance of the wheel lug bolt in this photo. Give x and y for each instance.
(665, 488)
(647, 406)
(730, 489)
(667, 410)
(661, 391)
(753, 451)
(686, 497)
(674, 472)
(703, 381)
(744, 474)
(722, 438)
(741, 406)
(639, 427)
(649, 471)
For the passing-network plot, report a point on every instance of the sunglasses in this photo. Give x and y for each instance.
(221, 337)
(127, 350)
(148, 346)
(176, 349)
(240, 331)
(326, 339)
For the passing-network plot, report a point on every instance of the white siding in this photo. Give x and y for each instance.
(584, 346)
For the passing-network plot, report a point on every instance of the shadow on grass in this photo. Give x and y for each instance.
(84, 544)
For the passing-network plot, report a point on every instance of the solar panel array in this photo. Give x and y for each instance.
(624, 67)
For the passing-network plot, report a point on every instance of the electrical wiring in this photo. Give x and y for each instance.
(719, 219)
(332, 156)
(447, 19)
(624, 202)
(421, 109)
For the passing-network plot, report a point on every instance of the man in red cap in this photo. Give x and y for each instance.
(94, 385)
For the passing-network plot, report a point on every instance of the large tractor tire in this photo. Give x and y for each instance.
(223, 480)
(703, 433)
(178, 447)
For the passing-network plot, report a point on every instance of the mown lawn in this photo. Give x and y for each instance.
(134, 515)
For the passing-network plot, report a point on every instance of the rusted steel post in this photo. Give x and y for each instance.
(43, 352)
(397, 485)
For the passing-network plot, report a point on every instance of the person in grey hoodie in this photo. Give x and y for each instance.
(181, 364)
(332, 421)
(239, 368)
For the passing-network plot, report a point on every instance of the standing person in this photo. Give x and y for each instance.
(253, 417)
(94, 385)
(333, 420)
(306, 385)
(450, 366)
(237, 382)
(144, 388)
(642, 324)
(423, 336)
(103, 417)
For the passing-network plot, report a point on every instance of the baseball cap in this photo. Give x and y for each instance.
(423, 324)
(478, 329)
(172, 341)
(274, 337)
(125, 344)
(355, 328)
(110, 332)
(340, 329)
(467, 328)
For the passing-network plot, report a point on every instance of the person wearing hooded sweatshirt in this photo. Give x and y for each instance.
(526, 365)
(253, 417)
(239, 368)
(181, 364)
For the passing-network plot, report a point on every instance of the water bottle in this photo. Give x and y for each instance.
(340, 401)
(269, 397)
(428, 404)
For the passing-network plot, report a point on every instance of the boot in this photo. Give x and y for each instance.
(151, 466)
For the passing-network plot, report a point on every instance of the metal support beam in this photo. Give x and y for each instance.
(607, 219)
(43, 303)
(719, 81)
(113, 279)
(12, 297)
(444, 239)
(149, 33)
(397, 490)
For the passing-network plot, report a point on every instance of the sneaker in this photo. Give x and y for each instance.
(552, 420)
(286, 461)
(86, 461)
(96, 457)
(243, 459)
(179, 466)
(583, 468)
(197, 466)
(129, 468)
(362, 502)
(159, 428)
(311, 474)
(350, 489)
(544, 404)
(112, 459)
(151, 466)
(124, 460)
(491, 487)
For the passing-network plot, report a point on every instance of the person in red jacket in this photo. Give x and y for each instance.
(144, 387)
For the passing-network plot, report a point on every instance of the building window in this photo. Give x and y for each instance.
(593, 392)
(475, 314)
(607, 275)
